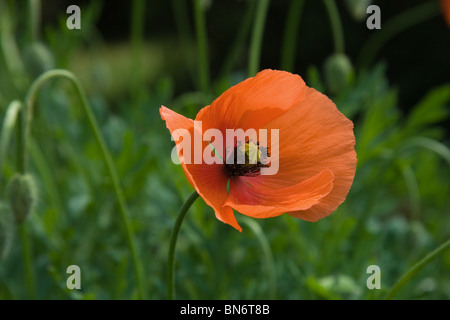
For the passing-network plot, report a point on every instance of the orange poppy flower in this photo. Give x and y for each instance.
(313, 150)
(445, 6)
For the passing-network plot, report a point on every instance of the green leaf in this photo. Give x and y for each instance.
(431, 109)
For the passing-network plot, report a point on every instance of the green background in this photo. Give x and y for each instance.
(130, 57)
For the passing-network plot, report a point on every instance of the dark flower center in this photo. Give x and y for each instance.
(246, 160)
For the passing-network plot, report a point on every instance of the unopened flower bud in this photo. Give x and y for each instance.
(22, 195)
(6, 230)
(358, 8)
(338, 72)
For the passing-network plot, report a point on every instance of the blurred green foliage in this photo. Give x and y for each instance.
(397, 210)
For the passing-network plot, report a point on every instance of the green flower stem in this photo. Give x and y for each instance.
(290, 35)
(27, 261)
(173, 242)
(202, 48)
(10, 120)
(45, 173)
(29, 103)
(181, 15)
(257, 37)
(393, 27)
(336, 26)
(240, 41)
(14, 117)
(416, 268)
(137, 41)
(34, 20)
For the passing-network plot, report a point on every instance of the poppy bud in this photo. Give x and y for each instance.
(6, 230)
(338, 72)
(358, 8)
(22, 195)
(38, 59)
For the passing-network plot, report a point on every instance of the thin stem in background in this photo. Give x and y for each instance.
(416, 268)
(34, 20)
(202, 49)
(10, 120)
(290, 35)
(181, 15)
(336, 26)
(14, 117)
(237, 47)
(26, 245)
(257, 37)
(123, 209)
(137, 43)
(173, 241)
(393, 27)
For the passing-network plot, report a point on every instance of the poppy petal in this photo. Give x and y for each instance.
(314, 136)
(211, 184)
(258, 201)
(175, 121)
(209, 180)
(254, 102)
